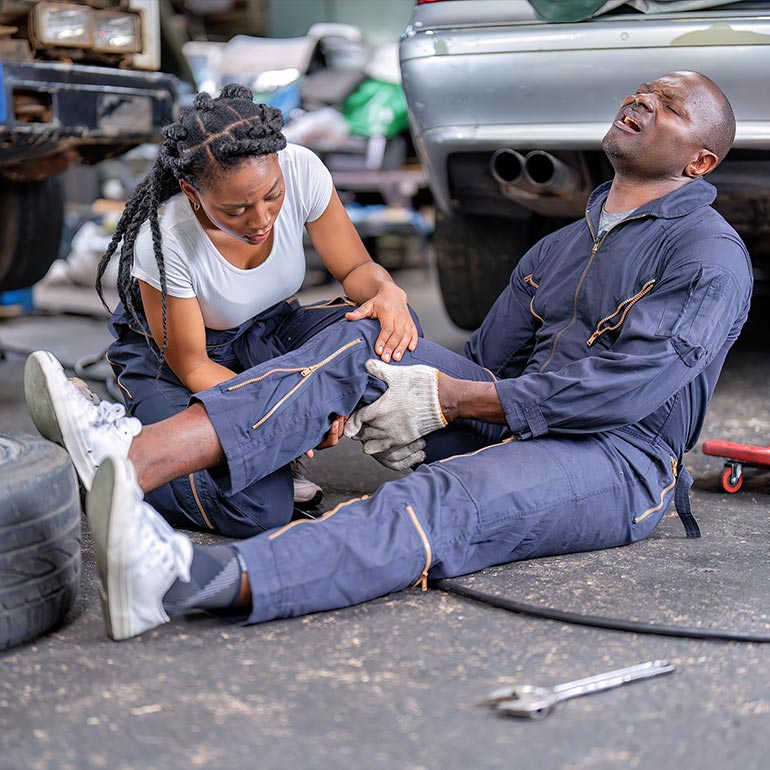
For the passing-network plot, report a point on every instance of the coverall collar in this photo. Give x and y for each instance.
(678, 203)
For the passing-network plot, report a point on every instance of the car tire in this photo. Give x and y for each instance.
(39, 537)
(30, 230)
(475, 256)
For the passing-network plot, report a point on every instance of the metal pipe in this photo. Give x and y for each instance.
(507, 167)
(545, 172)
(540, 182)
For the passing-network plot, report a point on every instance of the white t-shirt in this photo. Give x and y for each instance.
(229, 295)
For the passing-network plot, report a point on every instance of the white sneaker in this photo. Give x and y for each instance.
(138, 555)
(82, 386)
(64, 414)
(306, 492)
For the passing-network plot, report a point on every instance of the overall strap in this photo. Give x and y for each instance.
(684, 483)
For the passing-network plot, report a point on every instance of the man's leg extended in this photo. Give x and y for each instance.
(508, 501)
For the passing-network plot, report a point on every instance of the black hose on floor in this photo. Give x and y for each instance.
(616, 624)
(84, 369)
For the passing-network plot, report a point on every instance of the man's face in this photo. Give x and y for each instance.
(659, 129)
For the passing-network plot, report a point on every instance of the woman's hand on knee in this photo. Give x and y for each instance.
(398, 331)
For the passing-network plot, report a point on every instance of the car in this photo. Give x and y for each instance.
(508, 109)
(79, 82)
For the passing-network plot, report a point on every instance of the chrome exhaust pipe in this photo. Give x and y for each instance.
(507, 167)
(547, 173)
(540, 182)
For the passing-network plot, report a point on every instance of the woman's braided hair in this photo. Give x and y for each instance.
(213, 135)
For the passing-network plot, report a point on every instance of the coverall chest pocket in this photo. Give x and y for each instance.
(531, 285)
(614, 317)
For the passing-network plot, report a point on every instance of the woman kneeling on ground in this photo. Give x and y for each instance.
(206, 287)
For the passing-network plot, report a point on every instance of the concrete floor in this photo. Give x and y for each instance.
(391, 683)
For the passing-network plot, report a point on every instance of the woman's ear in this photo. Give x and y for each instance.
(702, 165)
(191, 193)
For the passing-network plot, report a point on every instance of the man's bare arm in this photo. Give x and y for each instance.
(471, 400)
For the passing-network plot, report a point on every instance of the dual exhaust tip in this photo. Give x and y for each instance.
(538, 172)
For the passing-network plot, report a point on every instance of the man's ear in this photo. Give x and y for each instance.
(702, 165)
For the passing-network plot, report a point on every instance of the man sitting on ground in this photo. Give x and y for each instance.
(562, 428)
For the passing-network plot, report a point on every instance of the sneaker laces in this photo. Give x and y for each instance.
(160, 541)
(110, 414)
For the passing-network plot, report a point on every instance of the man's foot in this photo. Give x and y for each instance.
(63, 413)
(306, 492)
(138, 555)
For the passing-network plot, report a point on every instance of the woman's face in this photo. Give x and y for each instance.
(244, 201)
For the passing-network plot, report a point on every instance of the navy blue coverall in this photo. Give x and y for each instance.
(605, 353)
(152, 392)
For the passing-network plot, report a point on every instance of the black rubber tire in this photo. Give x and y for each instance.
(475, 256)
(31, 221)
(39, 537)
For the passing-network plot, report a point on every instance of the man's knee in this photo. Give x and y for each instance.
(447, 361)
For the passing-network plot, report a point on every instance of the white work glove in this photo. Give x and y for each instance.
(403, 458)
(408, 410)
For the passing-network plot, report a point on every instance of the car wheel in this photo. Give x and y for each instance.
(30, 230)
(39, 537)
(475, 256)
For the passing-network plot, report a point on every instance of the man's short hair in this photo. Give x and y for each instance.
(718, 118)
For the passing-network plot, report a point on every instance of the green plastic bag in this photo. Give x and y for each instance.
(376, 108)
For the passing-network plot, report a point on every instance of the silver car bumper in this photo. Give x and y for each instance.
(528, 84)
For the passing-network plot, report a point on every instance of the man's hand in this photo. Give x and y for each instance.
(408, 410)
(403, 458)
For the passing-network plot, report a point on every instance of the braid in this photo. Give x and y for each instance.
(155, 195)
(209, 138)
(215, 135)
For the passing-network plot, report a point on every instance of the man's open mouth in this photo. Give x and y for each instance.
(630, 122)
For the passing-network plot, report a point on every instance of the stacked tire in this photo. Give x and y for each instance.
(39, 537)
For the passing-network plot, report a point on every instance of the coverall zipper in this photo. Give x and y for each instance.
(622, 308)
(336, 302)
(529, 280)
(595, 248)
(477, 451)
(663, 494)
(305, 373)
(286, 527)
(422, 580)
(196, 497)
(117, 376)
